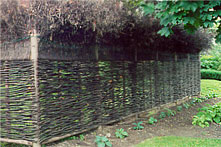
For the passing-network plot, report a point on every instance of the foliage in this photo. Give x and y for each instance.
(211, 59)
(192, 102)
(120, 133)
(170, 112)
(186, 105)
(102, 141)
(210, 62)
(211, 95)
(81, 137)
(6, 144)
(179, 108)
(192, 14)
(210, 74)
(197, 100)
(162, 115)
(175, 141)
(208, 114)
(152, 120)
(78, 137)
(138, 126)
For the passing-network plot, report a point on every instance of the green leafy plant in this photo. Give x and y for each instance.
(192, 102)
(186, 105)
(197, 100)
(120, 133)
(192, 15)
(82, 137)
(211, 95)
(207, 115)
(162, 115)
(152, 120)
(138, 126)
(210, 62)
(179, 108)
(170, 112)
(102, 141)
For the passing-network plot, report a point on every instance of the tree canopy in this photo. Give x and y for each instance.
(192, 14)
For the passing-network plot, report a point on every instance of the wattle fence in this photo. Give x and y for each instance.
(49, 92)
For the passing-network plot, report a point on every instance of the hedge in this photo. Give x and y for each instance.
(211, 62)
(210, 74)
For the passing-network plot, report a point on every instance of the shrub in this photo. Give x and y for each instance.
(208, 114)
(211, 58)
(210, 62)
(210, 74)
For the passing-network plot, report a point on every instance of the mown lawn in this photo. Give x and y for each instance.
(208, 86)
(175, 141)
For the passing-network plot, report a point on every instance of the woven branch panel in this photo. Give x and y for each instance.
(17, 95)
(76, 95)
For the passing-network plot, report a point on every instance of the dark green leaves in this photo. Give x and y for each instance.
(208, 114)
(188, 5)
(152, 120)
(190, 20)
(138, 126)
(120, 133)
(147, 8)
(166, 31)
(192, 14)
(102, 141)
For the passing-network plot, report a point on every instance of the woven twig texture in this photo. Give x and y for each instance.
(76, 95)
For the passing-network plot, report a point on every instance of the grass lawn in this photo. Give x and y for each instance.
(174, 141)
(210, 86)
(207, 86)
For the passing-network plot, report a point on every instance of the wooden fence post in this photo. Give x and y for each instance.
(34, 58)
(96, 52)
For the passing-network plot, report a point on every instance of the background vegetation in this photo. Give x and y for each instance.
(211, 63)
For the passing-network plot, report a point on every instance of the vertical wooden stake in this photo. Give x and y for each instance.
(96, 53)
(34, 58)
(175, 57)
(7, 96)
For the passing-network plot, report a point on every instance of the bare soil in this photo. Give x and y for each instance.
(178, 125)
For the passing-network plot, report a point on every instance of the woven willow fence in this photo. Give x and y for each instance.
(55, 91)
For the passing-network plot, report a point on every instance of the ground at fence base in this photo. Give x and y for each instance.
(179, 125)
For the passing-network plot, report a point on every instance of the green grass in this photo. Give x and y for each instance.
(208, 86)
(174, 141)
